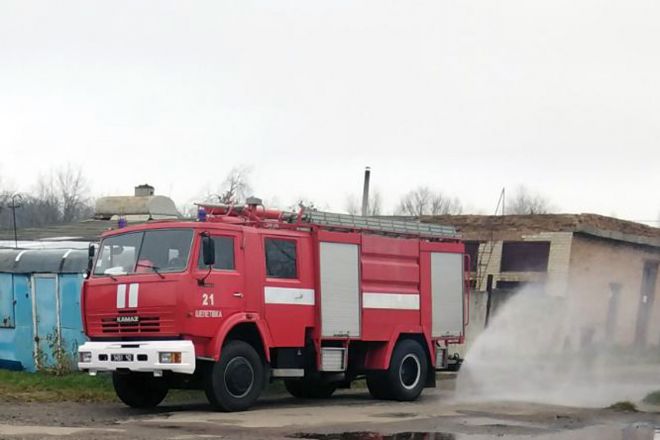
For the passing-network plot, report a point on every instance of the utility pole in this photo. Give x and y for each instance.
(13, 206)
(365, 192)
(501, 201)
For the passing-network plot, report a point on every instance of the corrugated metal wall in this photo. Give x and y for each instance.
(40, 322)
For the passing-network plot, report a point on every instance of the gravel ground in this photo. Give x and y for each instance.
(352, 412)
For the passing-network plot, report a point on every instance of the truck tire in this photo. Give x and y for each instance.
(405, 378)
(408, 369)
(139, 390)
(309, 389)
(377, 385)
(235, 382)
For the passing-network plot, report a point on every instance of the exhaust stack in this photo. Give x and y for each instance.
(365, 192)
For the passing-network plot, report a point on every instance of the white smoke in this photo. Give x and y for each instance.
(538, 348)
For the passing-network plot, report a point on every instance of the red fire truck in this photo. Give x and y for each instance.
(246, 295)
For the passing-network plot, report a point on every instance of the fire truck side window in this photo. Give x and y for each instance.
(281, 258)
(224, 254)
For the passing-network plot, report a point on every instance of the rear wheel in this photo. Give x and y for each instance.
(139, 390)
(377, 385)
(408, 369)
(235, 382)
(309, 389)
(405, 378)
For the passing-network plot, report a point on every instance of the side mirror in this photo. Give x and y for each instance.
(90, 259)
(208, 250)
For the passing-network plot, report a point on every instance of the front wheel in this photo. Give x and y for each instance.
(235, 382)
(139, 390)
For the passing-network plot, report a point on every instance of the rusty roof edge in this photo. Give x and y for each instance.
(618, 236)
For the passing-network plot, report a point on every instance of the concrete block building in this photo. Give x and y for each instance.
(605, 267)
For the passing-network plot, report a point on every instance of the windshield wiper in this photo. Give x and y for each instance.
(152, 267)
(155, 269)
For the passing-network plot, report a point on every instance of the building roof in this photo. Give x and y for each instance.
(43, 261)
(140, 208)
(88, 230)
(482, 227)
(150, 206)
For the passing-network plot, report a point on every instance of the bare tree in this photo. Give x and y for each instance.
(73, 192)
(351, 205)
(424, 201)
(302, 202)
(526, 202)
(354, 207)
(236, 186)
(59, 197)
(44, 202)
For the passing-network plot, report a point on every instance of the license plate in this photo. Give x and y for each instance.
(121, 357)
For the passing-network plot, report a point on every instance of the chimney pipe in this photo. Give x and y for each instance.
(144, 190)
(365, 192)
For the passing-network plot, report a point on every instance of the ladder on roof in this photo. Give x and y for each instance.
(379, 224)
(486, 249)
(484, 256)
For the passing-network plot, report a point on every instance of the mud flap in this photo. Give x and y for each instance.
(430, 379)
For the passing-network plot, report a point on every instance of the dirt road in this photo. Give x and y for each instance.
(350, 415)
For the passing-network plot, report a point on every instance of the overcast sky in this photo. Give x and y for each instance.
(463, 96)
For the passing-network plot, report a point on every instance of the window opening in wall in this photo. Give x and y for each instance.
(525, 256)
(649, 278)
(612, 311)
(509, 284)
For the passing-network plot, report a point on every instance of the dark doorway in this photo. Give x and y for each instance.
(612, 311)
(649, 277)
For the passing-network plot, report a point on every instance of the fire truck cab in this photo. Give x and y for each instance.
(247, 295)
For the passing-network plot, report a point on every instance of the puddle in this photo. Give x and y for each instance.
(631, 432)
(401, 415)
(376, 436)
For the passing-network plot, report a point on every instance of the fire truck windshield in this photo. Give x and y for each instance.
(163, 250)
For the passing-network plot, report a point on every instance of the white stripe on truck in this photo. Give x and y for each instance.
(395, 301)
(133, 295)
(288, 295)
(121, 296)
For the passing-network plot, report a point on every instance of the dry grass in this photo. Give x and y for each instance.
(623, 407)
(652, 398)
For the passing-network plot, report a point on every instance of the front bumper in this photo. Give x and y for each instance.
(139, 356)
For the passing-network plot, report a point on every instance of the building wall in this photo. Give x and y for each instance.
(56, 300)
(595, 264)
(554, 280)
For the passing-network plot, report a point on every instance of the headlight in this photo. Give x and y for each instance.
(169, 357)
(85, 356)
